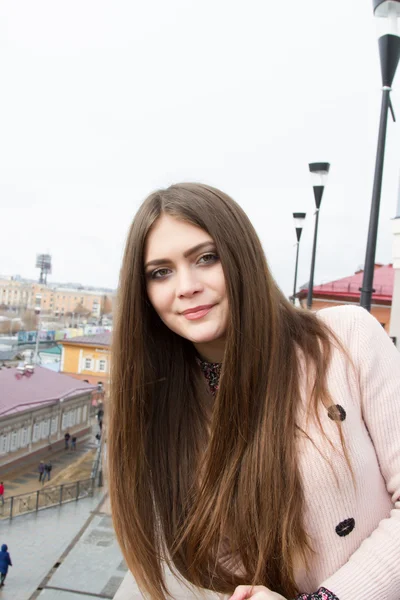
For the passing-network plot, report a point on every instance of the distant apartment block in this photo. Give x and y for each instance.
(51, 300)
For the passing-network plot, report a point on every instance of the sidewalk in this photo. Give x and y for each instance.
(92, 568)
(26, 480)
(37, 541)
(71, 553)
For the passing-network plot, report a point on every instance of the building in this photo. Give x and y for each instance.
(395, 312)
(54, 300)
(50, 358)
(87, 358)
(37, 408)
(15, 293)
(347, 291)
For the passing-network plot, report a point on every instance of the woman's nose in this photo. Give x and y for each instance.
(188, 283)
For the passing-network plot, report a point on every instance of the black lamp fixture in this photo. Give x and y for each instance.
(387, 14)
(299, 219)
(319, 173)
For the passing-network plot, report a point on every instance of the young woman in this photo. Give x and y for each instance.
(254, 448)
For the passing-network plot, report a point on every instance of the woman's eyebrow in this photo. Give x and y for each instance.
(165, 261)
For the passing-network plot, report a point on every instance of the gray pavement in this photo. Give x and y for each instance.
(70, 553)
(93, 566)
(25, 478)
(38, 541)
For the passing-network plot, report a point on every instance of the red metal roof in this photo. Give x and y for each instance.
(24, 392)
(349, 287)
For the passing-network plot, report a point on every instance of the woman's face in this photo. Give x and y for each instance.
(186, 284)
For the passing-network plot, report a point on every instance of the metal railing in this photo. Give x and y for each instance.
(46, 498)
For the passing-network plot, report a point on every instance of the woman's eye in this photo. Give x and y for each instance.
(208, 258)
(159, 273)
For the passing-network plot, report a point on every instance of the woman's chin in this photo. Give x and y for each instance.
(206, 335)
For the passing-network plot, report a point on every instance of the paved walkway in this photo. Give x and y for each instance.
(26, 479)
(92, 568)
(70, 553)
(37, 542)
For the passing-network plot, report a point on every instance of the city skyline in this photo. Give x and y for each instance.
(50, 283)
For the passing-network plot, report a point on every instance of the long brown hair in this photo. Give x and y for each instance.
(211, 488)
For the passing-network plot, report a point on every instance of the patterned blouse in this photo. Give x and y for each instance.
(212, 372)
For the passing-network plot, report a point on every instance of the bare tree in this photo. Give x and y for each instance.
(29, 320)
(81, 311)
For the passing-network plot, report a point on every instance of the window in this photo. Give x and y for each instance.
(54, 425)
(45, 428)
(64, 422)
(36, 430)
(3, 443)
(14, 441)
(102, 365)
(78, 415)
(24, 437)
(71, 418)
(84, 415)
(88, 364)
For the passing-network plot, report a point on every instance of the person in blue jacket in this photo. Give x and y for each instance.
(5, 562)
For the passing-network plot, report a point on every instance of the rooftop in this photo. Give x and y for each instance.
(19, 393)
(349, 287)
(8, 354)
(99, 339)
(56, 350)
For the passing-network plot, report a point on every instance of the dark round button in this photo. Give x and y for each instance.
(345, 527)
(336, 412)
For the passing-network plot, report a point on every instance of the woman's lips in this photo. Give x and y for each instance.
(197, 313)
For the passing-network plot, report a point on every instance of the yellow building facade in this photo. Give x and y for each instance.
(87, 358)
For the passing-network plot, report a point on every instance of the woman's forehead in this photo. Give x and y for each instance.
(170, 235)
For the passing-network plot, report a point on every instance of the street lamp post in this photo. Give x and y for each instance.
(319, 172)
(36, 355)
(298, 223)
(387, 13)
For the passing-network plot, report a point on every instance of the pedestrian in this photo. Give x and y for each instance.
(73, 443)
(101, 424)
(47, 471)
(266, 436)
(41, 470)
(67, 437)
(5, 562)
(2, 492)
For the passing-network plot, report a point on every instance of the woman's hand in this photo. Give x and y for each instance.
(257, 592)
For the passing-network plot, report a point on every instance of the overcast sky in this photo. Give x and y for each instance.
(101, 102)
